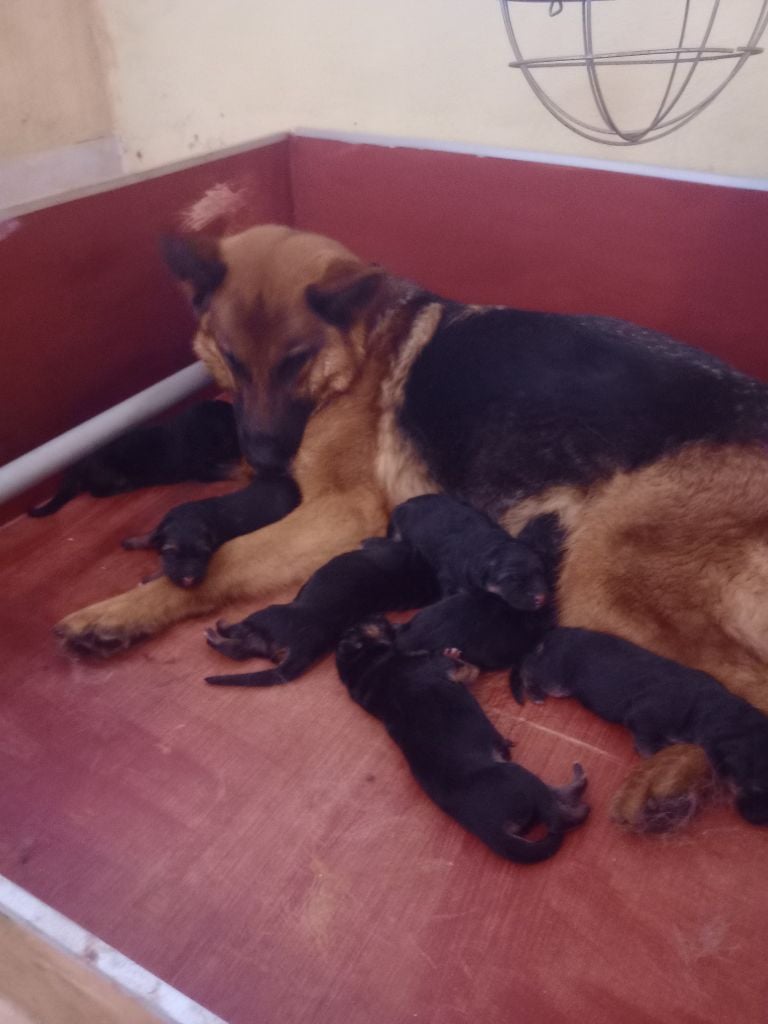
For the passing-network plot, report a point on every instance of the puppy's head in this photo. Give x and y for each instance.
(281, 323)
(362, 646)
(544, 672)
(516, 574)
(185, 552)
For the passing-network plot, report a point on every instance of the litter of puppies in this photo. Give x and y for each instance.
(406, 675)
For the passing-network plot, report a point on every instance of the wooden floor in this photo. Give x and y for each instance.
(268, 853)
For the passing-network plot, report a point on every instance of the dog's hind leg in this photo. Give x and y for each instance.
(253, 567)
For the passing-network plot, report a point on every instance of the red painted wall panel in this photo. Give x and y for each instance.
(90, 315)
(687, 259)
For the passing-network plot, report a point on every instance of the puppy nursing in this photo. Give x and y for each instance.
(469, 551)
(453, 751)
(660, 702)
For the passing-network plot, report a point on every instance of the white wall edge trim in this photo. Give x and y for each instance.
(23, 907)
(31, 178)
(24, 472)
(533, 156)
(116, 180)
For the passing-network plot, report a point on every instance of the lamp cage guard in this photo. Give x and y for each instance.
(683, 61)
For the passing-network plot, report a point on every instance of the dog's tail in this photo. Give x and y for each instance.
(491, 800)
(69, 489)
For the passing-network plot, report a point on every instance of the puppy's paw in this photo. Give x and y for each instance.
(663, 793)
(239, 642)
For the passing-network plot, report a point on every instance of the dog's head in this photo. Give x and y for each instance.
(281, 324)
(364, 646)
(516, 574)
(186, 551)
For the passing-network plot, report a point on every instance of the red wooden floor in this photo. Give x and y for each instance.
(268, 853)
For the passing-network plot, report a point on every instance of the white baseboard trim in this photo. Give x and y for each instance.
(32, 177)
(23, 907)
(532, 156)
(117, 179)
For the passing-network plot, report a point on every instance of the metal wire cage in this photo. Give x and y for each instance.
(683, 61)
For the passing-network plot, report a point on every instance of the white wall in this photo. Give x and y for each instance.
(56, 129)
(191, 76)
(91, 89)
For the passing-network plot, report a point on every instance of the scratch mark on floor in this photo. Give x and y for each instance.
(572, 739)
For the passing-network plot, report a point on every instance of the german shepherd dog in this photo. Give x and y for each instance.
(375, 391)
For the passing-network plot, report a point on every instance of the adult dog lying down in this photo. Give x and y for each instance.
(652, 453)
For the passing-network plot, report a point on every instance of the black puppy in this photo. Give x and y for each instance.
(187, 536)
(483, 628)
(383, 575)
(469, 551)
(199, 443)
(454, 752)
(660, 701)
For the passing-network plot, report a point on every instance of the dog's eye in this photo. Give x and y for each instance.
(239, 370)
(290, 365)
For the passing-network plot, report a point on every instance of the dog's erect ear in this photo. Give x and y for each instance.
(197, 263)
(344, 293)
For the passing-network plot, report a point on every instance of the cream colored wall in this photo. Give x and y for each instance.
(56, 125)
(191, 76)
(53, 91)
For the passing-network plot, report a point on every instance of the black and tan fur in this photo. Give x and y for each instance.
(386, 391)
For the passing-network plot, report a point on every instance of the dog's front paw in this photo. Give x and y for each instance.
(100, 630)
(112, 625)
(663, 793)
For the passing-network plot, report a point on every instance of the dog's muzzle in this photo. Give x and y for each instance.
(273, 449)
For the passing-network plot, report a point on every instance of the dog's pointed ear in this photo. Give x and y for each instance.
(344, 293)
(196, 262)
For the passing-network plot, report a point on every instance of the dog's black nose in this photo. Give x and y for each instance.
(264, 452)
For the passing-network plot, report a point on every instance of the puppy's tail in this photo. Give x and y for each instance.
(492, 799)
(267, 677)
(69, 489)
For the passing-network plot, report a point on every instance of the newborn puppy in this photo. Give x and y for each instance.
(454, 752)
(488, 633)
(188, 535)
(199, 443)
(383, 575)
(469, 551)
(660, 701)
